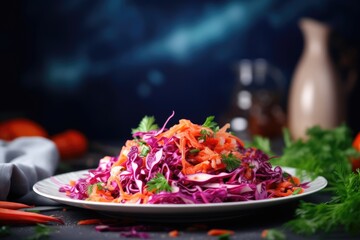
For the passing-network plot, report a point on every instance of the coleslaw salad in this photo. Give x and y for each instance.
(185, 164)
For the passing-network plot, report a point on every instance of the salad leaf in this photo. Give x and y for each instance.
(145, 125)
(230, 161)
(158, 184)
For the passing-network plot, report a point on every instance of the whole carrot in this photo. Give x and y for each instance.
(12, 205)
(16, 216)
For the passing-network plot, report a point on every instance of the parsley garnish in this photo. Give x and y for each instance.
(209, 122)
(98, 185)
(204, 134)
(158, 184)
(286, 175)
(144, 149)
(194, 151)
(145, 125)
(230, 161)
(297, 191)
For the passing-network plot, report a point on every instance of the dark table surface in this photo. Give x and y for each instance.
(246, 224)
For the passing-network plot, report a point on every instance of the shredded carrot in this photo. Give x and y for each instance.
(219, 232)
(124, 151)
(287, 188)
(174, 233)
(211, 149)
(264, 233)
(295, 180)
(94, 221)
(89, 222)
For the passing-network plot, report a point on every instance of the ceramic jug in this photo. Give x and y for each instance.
(316, 95)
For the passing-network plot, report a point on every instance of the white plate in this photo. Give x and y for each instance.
(50, 188)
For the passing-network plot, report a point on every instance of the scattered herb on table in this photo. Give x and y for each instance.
(4, 231)
(41, 232)
(273, 234)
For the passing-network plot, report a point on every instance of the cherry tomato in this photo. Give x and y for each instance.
(355, 162)
(71, 144)
(21, 127)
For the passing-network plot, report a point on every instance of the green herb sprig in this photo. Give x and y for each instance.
(210, 123)
(231, 161)
(158, 184)
(204, 134)
(326, 153)
(99, 186)
(343, 210)
(261, 143)
(321, 153)
(146, 124)
(144, 149)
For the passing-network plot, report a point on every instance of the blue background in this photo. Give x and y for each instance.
(100, 66)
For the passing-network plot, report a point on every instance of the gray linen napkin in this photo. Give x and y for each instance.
(23, 162)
